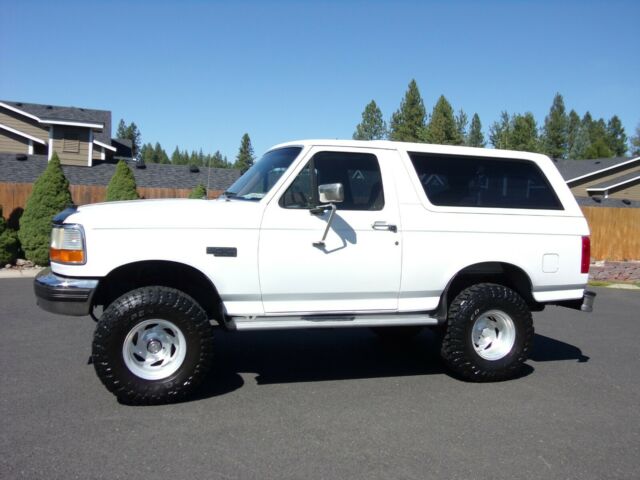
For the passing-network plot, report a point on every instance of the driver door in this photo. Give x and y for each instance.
(358, 267)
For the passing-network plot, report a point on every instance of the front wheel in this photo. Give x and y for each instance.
(489, 333)
(152, 345)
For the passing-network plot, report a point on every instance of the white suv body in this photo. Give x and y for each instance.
(410, 227)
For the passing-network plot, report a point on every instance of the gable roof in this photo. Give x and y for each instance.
(615, 182)
(154, 175)
(51, 114)
(574, 170)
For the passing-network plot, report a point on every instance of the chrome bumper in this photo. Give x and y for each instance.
(64, 295)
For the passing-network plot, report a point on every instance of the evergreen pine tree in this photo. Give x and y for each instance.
(475, 137)
(635, 142)
(554, 132)
(499, 132)
(442, 127)
(147, 153)
(616, 137)
(372, 126)
(122, 185)
(573, 125)
(49, 196)
(130, 132)
(245, 158)
(580, 144)
(408, 122)
(461, 123)
(217, 161)
(198, 192)
(523, 134)
(159, 155)
(176, 156)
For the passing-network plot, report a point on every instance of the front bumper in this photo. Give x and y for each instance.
(64, 295)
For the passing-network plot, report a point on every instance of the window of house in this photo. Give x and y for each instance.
(359, 174)
(483, 182)
(71, 143)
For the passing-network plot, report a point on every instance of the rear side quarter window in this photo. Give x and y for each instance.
(483, 182)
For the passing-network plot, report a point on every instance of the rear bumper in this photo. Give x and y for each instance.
(64, 295)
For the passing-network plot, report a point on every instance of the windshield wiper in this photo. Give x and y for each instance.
(229, 194)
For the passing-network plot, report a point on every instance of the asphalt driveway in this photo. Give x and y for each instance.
(327, 404)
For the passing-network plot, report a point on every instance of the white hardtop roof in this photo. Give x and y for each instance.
(415, 147)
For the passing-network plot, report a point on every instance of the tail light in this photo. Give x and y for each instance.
(586, 255)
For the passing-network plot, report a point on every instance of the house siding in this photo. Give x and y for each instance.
(97, 152)
(580, 190)
(630, 192)
(23, 124)
(10, 142)
(71, 158)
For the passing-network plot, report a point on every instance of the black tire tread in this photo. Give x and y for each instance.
(454, 345)
(125, 311)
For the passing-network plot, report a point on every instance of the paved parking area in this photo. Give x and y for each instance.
(327, 404)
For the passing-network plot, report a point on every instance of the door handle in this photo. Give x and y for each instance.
(380, 225)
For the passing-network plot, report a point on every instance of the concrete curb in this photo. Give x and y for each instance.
(19, 272)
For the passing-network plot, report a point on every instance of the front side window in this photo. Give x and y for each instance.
(456, 181)
(262, 176)
(359, 174)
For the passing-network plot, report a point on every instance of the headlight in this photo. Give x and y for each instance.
(67, 245)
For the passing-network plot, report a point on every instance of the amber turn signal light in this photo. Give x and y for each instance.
(66, 256)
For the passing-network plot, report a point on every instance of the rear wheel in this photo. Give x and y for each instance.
(152, 345)
(489, 333)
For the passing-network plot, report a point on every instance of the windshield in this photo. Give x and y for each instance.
(259, 179)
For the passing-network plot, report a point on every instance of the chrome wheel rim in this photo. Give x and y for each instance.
(493, 335)
(154, 349)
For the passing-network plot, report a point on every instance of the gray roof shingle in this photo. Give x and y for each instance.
(154, 175)
(576, 168)
(616, 180)
(69, 114)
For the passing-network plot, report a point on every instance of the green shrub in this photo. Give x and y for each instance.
(198, 192)
(9, 246)
(122, 185)
(50, 195)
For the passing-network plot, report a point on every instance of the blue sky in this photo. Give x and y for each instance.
(199, 74)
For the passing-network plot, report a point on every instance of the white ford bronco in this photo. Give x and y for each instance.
(391, 236)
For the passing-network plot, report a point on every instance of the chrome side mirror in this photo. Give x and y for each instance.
(331, 193)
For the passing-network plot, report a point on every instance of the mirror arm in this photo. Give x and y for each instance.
(324, 208)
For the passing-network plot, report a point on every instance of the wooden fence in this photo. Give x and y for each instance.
(13, 196)
(615, 232)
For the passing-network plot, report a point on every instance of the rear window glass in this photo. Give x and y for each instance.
(456, 181)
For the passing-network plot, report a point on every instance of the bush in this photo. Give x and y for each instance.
(9, 246)
(198, 192)
(122, 185)
(50, 195)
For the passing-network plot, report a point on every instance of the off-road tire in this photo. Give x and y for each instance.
(458, 349)
(138, 306)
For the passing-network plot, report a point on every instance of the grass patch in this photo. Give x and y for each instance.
(599, 283)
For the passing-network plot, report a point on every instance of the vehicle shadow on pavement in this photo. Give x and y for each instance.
(317, 355)
(547, 349)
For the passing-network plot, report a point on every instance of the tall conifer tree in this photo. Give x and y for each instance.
(442, 127)
(372, 126)
(245, 158)
(408, 122)
(554, 136)
(475, 137)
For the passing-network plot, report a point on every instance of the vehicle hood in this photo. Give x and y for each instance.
(169, 213)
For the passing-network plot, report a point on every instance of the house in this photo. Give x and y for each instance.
(611, 182)
(80, 136)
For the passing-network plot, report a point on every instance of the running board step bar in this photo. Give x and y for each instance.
(331, 321)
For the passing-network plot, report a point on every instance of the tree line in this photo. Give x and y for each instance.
(562, 135)
(149, 153)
